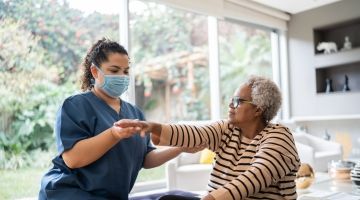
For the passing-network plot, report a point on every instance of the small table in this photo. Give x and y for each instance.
(327, 188)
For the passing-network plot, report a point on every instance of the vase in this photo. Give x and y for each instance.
(329, 87)
(346, 84)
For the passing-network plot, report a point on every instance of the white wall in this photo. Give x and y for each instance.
(304, 100)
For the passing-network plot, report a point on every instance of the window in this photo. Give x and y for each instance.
(243, 50)
(169, 49)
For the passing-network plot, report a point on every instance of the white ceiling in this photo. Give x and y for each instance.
(294, 6)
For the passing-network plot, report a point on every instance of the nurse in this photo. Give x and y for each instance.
(97, 160)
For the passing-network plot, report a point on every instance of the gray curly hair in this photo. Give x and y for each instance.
(266, 95)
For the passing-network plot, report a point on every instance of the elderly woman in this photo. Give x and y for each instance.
(255, 159)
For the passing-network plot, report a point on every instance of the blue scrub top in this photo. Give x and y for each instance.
(110, 177)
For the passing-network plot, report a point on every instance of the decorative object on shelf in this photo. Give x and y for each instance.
(305, 176)
(329, 87)
(327, 135)
(355, 175)
(347, 44)
(327, 47)
(346, 84)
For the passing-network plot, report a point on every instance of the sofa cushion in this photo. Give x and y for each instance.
(189, 158)
(301, 138)
(207, 156)
(322, 154)
(195, 168)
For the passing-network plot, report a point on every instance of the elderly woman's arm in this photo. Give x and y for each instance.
(181, 135)
(276, 158)
(184, 135)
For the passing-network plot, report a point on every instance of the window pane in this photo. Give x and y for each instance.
(243, 51)
(169, 50)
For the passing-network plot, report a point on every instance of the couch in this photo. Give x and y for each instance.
(316, 151)
(186, 173)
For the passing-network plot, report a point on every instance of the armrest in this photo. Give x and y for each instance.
(306, 153)
(170, 173)
(324, 145)
(330, 146)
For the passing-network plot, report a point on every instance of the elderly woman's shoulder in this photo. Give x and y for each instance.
(278, 133)
(277, 128)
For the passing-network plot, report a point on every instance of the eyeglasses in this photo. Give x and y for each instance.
(236, 101)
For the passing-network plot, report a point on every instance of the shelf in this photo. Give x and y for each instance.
(336, 33)
(332, 69)
(337, 76)
(338, 93)
(339, 58)
(325, 118)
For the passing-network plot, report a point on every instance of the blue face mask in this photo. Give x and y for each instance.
(114, 85)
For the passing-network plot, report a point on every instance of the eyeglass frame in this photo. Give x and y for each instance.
(236, 101)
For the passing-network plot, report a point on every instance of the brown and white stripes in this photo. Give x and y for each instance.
(260, 168)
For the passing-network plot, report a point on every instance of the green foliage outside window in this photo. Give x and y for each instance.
(243, 51)
(42, 44)
(163, 40)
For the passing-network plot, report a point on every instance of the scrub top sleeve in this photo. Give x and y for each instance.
(72, 125)
(150, 145)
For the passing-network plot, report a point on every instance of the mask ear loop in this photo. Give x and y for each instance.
(99, 70)
(93, 65)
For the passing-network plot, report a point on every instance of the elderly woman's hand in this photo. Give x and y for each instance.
(145, 127)
(141, 126)
(122, 133)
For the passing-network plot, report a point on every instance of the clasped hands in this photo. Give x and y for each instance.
(127, 127)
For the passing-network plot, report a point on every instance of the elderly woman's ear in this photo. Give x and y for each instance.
(258, 111)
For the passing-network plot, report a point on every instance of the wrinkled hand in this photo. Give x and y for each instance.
(141, 126)
(193, 149)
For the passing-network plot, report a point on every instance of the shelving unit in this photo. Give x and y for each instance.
(309, 69)
(335, 66)
(337, 75)
(337, 33)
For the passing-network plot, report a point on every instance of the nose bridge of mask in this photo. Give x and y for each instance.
(125, 79)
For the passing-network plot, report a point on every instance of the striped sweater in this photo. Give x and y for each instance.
(260, 168)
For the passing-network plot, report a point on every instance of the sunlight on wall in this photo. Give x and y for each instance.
(344, 139)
